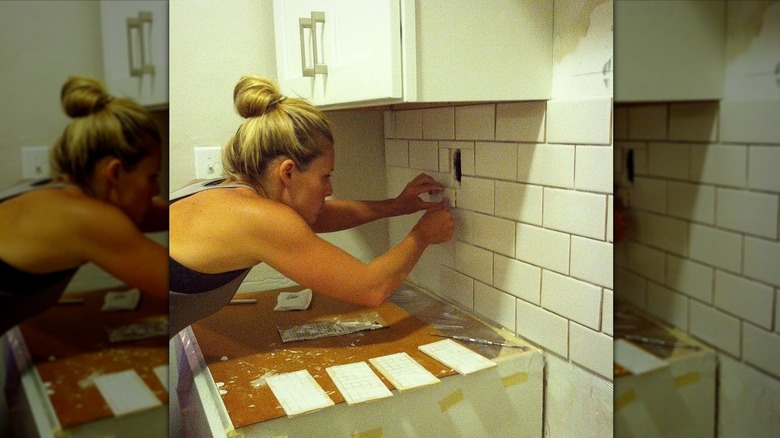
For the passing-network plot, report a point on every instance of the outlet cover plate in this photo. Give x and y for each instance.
(35, 162)
(208, 162)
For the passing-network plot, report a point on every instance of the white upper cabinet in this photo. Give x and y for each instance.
(135, 50)
(669, 50)
(352, 53)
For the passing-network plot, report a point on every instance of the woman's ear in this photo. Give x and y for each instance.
(286, 169)
(113, 170)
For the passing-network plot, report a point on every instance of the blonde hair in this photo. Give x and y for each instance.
(274, 126)
(101, 126)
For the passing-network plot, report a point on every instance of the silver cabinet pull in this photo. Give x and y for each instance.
(139, 56)
(311, 23)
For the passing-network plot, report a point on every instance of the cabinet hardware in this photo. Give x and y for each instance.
(311, 24)
(139, 56)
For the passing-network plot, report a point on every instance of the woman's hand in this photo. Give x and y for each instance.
(409, 200)
(436, 225)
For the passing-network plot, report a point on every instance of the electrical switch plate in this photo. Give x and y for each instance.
(35, 162)
(208, 162)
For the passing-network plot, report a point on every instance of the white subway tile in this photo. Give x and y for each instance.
(474, 262)
(542, 327)
(457, 288)
(764, 162)
(464, 224)
(439, 123)
(541, 247)
(593, 168)
(762, 349)
(546, 164)
(631, 288)
(397, 153)
(719, 164)
(610, 217)
(691, 278)
(519, 279)
(661, 232)
(693, 121)
(694, 202)
(444, 160)
(591, 349)
(521, 121)
(469, 145)
(649, 194)
(408, 124)
(647, 122)
(520, 202)
(646, 261)
(572, 299)
(667, 305)
(467, 162)
(715, 247)
(495, 234)
(744, 298)
(591, 260)
(389, 124)
(496, 160)
(777, 311)
(607, 312)
(753, 121)
(715, 328)
(424, 155)
(620, 122)
(495, 305)
(476, 194)
(668, 160)
(762, 259)
(475, 122)
(748, 212)
(575, 212)
(581, 121)
(640, 155)
(619, 158)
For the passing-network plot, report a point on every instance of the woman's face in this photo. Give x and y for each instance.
(309, 188)
(137, 187)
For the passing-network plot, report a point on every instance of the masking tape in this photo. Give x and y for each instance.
(687, 379)
(451, 400)
(373, 433)
(514, 379)
(625, 399)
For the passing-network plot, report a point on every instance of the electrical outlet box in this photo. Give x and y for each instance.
(208, 162)
(35, 162)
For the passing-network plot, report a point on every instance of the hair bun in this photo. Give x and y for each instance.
(253, 96)
(82, 96)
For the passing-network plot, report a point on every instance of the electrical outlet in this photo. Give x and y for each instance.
(208, 162)
(35, 162)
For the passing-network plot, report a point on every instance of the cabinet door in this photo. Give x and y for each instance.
(135, 50)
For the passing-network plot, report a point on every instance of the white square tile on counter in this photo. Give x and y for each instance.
(607, 312)
(521, 121)
(397, 153)
(650, 262)
(593, 168)
(722, 249)
(631, 288)
(667, 305)
(517, 278)
(496, 160)
(439, 123)
(520, 202)
(572, 299)
(495, 234)
(744, 298)
(575, 212)
(719, 164)
(668, 160)
(457, 288)
(695, 202)
(495, 305)
(762, 171)
(474, 262)
(408, 124)
(715, 328)
(762, 348)
(542, 327)
(475, 122)
(591, 260)
(696, 121)
(546, 164)
(647, 122)
(762, 258)
(476, 194)
(591, 349)
(580, 121)
(424, 155)
(545, 248)
(691, 278)
(748, 212)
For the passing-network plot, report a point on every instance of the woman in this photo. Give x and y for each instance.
(94, 209)
(270, 206)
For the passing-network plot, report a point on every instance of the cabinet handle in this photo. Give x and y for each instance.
(138, 53)
(311, 24)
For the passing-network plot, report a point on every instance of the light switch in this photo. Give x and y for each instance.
(208, 162)
(35, 162)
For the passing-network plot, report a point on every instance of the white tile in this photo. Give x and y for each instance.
(762, 258)
(746, 299)
(593, 168)
(546, 248)
(457, 145)
(389, 124)
(669, 160)
(640, 155)
(763, 163)
(718, 248)
(649, 194)
(591, 260)
(474, 262)
(753, 121)
(475, 122)
(719, 164)
(424, 155)
(694, 202)
(607, 312)
(620, 122)
(572, 299)
(520, 202)
(444, 160)
(631, 288)
(696, 121)
(496, 160)
(408, 124)
(397, 153)
(762, 349)
(439, 123)
(691, 278)
(660, 231)
(519, 279)
(610, 218)
(777, 311)
(464, 224)
(748, 212)
(542, 327)
(546, 164)
(715, 328)
(591, 349)
(521, 121)
(495, 305)
(495, 234)
(476, 194)
(667, 305)
(575, 212)
(467, 162)
(581, 121)
(457, 288)
(646, 261)
(647, 122)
